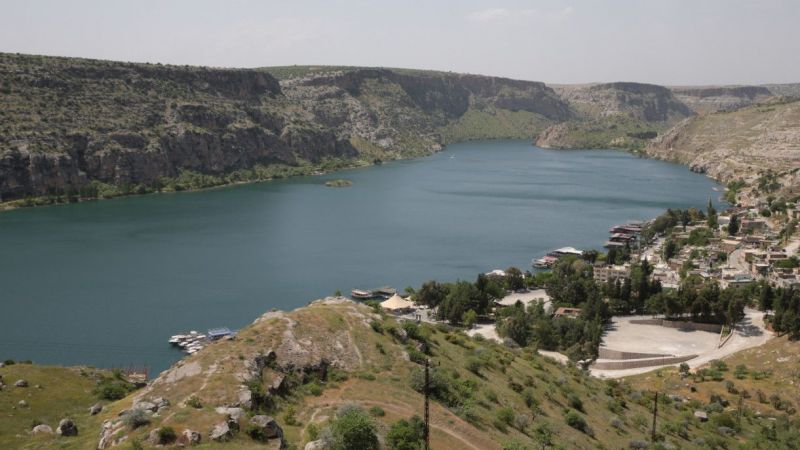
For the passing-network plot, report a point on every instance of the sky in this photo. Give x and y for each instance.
(672, 42)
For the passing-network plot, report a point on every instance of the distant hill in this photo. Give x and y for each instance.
(75, 129)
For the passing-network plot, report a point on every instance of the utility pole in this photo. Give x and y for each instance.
(739, 416)
(655, 413)
(426, 433)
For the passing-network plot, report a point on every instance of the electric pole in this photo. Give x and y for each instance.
(655, 413)
(426, 433)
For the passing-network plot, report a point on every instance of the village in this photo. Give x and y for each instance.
(740, 247)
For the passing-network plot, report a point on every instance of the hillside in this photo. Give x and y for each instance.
(303, 366)
(76, 128)
(745, 143)
(618, 115)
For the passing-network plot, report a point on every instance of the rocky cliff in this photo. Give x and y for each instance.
(737, 144)
(620, 115)
(723, 98)
(68, 124)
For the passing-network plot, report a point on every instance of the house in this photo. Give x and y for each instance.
(752, 225)
(604, 274)
(795, 212)
(572, 313)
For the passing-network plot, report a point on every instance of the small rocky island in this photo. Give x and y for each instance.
(338, 183)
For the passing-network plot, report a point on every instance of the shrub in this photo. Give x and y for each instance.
(740, 372)
(377, 326)
(575, 402)
(353, 429)
(577, 421)
(474, 365)
(289, 416)
(377, 411)
(136, 418)
(166, 435)
(406, 434)
(312, 432)
(505, 415)
(112, 389)
(529, 396)
(615, 422)
(491, 396)
(522, 422)
(718, 364)
(194, 402)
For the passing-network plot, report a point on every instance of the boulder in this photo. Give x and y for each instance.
(189, 437)
(67, 428)
(160, 403)
(2, 365)
(23, 404)
(221, 432)
(233, 415)
(314, 445)
(96, 409)
(265, 428)
(21, 383)
(42, 429)
(147, 406)
(701, 415)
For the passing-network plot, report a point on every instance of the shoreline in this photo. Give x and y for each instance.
(16, 204)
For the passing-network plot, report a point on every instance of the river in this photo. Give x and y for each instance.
(106, 283)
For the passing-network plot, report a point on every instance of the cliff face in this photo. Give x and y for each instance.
(618, 115)
(67, 122)
(725, 98)
(736, 144)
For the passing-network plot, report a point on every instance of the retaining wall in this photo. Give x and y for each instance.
(679, 324)
(634, 364)
(607, 353)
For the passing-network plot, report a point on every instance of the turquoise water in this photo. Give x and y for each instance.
(106, 283)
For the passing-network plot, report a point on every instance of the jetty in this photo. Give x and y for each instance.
(384, 292)
(193, 341)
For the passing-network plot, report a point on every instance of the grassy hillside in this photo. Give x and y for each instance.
(304, 366)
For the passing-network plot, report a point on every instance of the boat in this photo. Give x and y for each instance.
(551, 257)
(362, 294)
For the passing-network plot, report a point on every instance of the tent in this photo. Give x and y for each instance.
(396, 303)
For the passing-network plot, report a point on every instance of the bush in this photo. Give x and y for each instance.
(112, 389)
(377, 411)
(289, 416)
(505, 415)
(529, 396)
(377, 326)
(406, 434)
(166, 435)
(474, 365)
(353, 429)
(575, 420)
(312, 432)
(575, 402)
(194, 402)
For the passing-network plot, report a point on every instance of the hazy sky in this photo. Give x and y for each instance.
(558, 41)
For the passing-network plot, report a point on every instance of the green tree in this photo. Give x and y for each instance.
(406, 434)
(711, 219)
(670, 249)
(353, 429)
(514, 279)
(431, 293)
(470, 317)
(733, 225)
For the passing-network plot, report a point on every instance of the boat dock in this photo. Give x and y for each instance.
(369, 294)
(193, 341)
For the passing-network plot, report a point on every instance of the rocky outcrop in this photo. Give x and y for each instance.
(67, 428)
(42, 429)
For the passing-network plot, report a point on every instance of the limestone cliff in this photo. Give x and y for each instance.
(67, 123)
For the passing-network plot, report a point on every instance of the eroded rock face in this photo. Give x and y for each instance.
(221, 432)
(267, 428)
(67, 428)
(189, 438)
